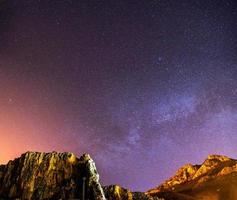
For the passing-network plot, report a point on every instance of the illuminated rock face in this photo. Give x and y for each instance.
(50, 176)
(93, 189)
(57, 176)
(215, 179)
(64, 176)
(115, 192)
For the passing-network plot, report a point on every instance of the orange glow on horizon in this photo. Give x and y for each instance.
(26, 122)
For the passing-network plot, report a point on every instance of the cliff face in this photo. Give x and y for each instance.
(58, 176)
(50, 176)
(214, 179)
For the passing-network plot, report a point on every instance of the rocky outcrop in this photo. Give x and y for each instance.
(116, 192)
(91, 178)
(50, 176)
(55, 175)
(215, 178)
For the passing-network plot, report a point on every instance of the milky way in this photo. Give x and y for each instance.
(143, 86)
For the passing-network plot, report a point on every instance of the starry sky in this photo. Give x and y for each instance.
(143, 86)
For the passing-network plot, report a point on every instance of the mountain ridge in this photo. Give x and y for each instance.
(53, 175)
(217, 172)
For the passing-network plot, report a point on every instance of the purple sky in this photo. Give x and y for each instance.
(143, 86)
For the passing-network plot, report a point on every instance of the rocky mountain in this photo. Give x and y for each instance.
(50, 176)
(214, 179)
(37, 175)
(54, 175)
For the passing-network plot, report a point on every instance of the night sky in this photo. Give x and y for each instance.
(143, 86)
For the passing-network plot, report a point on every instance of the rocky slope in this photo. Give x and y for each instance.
(214, 179)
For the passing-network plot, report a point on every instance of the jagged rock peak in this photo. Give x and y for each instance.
(218, 157)
(215, 167)
(85, 157)
(190, 172)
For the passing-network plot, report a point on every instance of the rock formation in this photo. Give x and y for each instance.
(215, 179)
(64, 176)
(94, 189)
(50, 176)
(115, 192)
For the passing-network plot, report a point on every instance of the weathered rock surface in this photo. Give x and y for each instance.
(115, 192)
(50, 176)
(215, 179)
(54, 175)
(88, 168)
